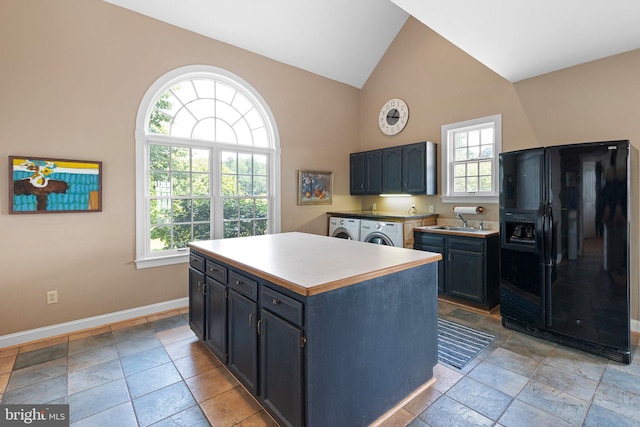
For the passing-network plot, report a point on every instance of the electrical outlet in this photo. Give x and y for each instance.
(432, 209)
(52, 297)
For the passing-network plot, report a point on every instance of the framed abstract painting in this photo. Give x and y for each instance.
(49, 185)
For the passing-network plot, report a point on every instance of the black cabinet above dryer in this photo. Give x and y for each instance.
(409, 169)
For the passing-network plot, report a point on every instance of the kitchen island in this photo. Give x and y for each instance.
(322, 331)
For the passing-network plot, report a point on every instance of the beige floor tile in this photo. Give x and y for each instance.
(176, 334)
(89, 333)
(44, 343)
(400, 419)
(197, 364)
(9, 351)
(188, 347)
(4, 380)
(229, 408)
(261, 419)
(128, 323)
(6, 364)
(211, 383)
(163, 315)
(422, 401)
(184, 310)
(446, 377)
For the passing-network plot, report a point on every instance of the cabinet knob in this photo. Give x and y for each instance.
(276, 301)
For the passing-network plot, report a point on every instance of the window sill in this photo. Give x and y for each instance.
(162, 261)
(471, 199)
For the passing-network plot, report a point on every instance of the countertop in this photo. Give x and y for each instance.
(481, 234)
(382, 215)
(310, 264)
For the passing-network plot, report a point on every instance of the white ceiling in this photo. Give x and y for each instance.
(344, 40)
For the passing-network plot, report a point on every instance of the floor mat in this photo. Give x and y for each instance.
(458, 344)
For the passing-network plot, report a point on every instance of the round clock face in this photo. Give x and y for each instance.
(393, 117)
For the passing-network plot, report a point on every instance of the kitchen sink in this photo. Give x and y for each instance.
(455, 228)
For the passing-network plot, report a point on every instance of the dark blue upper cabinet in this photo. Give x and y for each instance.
(356, 173)
(407, 169)
(419, 168)
(373, 172)
(392, 168)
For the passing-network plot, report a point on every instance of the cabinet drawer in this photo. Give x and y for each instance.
(285, 307)
(244, 285)
(466, 244)
(196, 262)
(216, 271)
(431, 239)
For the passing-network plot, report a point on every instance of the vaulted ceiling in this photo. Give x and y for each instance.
(344, 40)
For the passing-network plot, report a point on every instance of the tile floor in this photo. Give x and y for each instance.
(153, 371)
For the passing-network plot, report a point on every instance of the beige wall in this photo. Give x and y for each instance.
(596, 101)
(441, 84)
(73, 75)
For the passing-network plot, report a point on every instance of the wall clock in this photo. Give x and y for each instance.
(393, 116)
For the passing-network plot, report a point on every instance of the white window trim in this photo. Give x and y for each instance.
(447, 167)
(143, 260)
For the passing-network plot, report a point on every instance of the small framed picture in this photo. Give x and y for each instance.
(315, 187)
(47, 185)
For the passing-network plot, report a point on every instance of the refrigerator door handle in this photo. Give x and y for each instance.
(549, 260)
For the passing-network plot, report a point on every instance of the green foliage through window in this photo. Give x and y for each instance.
(180, 202)
(193, 122)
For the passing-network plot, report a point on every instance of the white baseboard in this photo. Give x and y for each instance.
(89, 322)
(118, 316)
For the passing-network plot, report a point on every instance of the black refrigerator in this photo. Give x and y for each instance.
(568, 233)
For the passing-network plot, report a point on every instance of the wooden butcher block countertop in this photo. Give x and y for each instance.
(310, 264)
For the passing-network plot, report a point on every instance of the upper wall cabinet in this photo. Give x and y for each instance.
(366, 172)
(407, 169)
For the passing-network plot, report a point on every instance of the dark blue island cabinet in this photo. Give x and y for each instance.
(321, 331)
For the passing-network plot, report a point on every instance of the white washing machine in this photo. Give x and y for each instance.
(382, 233)
(344, 228)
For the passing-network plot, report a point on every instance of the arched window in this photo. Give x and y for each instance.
(207, 163)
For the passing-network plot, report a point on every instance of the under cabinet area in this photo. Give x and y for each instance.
(470, 266)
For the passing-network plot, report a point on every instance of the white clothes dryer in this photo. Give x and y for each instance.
(344, 228)
(382, 233)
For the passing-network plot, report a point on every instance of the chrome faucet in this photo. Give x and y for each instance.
(464, 221)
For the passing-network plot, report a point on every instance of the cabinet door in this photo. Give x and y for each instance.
(281, 369)
(414, 177)
(373, 172)
(419, 172)
(243, 340)
(217, 326)
(441, 263)
(392, 170)
(197, 303)
(356, 173)
(465, 274)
